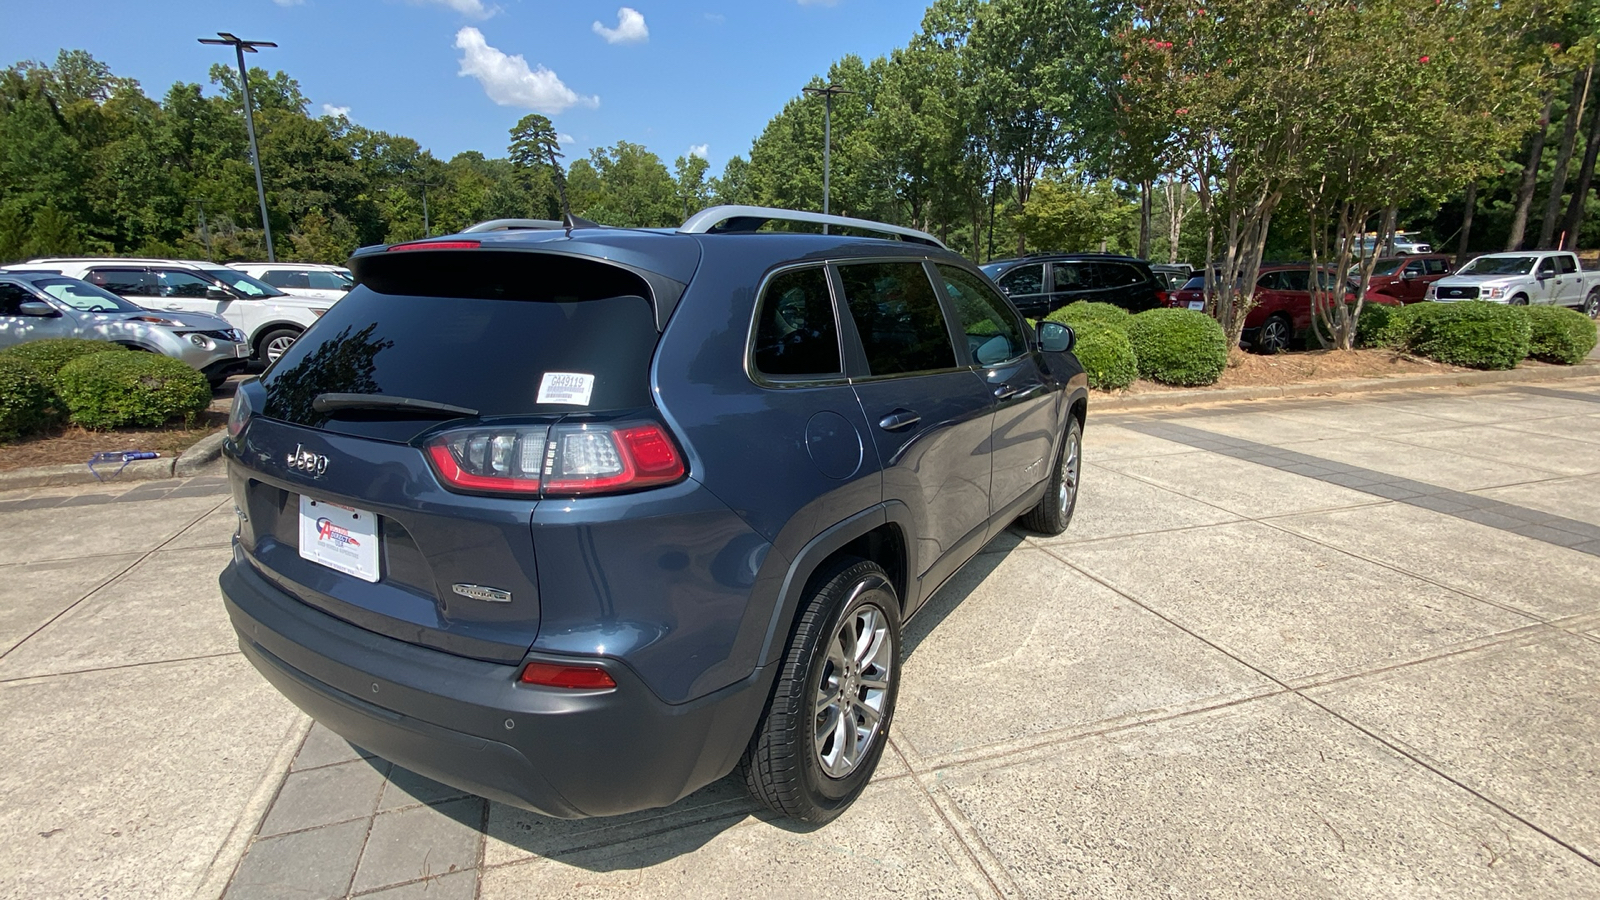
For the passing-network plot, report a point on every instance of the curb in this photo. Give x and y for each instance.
(1166, 399)
(204, 451)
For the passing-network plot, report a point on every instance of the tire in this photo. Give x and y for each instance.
(787, 766)
(1275, 336)
(1519, 300)
(1591, 306)
(1054, 512)
(274, 342)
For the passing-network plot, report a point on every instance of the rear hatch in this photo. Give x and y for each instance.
(341, 443)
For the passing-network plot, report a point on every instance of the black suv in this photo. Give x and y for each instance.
(1043, 282)
(581, 520)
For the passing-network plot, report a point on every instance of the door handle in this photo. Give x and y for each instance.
(1004, 391)
(898, 420)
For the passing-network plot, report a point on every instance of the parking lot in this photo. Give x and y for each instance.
(1322, 648)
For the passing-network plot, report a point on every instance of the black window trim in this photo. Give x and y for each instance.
(762, 379)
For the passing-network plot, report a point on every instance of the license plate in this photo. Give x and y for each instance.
(1197, 304)
(241, 350)
(342, 538)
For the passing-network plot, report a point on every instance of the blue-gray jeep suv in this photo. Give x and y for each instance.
(583, 519)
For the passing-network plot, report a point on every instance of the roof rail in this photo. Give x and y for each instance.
(514, 225)
(733, 219)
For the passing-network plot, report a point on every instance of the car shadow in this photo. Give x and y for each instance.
(651, 837)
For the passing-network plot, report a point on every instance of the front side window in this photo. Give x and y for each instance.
(993, 333)
(176, 283)
(796, 333)
(1071, 276)
(1116, 275)
(1294, 280)
(1413, 268)
(1023, 280)
(898, 317)
(11, 298)
(244, 284)
(1566, 265)
(328, 281)
(1547, 266)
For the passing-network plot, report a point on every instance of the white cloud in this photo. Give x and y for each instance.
(328, 109)
(564, 139)
(630, 28)
(509, 82)
(472, 9)
(699, 150)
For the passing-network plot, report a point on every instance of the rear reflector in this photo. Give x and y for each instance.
(435, 245)
(575, 677)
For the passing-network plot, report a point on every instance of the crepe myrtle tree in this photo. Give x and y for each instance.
(1215, 86)
(1407, 100)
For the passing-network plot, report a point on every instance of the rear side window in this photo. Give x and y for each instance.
(526, 317)
(282, 279)
(993, 333)
(796, 332)
(1295, 280)
(127, 282)
(1070, 276)
(174, 283)
(1435, 266)
(1023, 280)
(898, 317)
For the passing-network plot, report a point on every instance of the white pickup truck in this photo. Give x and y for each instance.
(1548, 277)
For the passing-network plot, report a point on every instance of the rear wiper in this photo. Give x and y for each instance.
(331, 403)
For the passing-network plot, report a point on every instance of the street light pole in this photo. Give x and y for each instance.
(827, 137)
(241, 47)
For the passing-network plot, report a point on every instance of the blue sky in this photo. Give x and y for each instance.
(669, 75)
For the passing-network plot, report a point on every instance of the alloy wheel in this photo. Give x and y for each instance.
(1070, 462)
(277, 347)
(853, 689)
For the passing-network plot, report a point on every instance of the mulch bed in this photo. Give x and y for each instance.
(72, 444)
(1311, 366)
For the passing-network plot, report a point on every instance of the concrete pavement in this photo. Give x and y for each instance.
(1319, 648)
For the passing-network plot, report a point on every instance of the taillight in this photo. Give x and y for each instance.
(1163, 298)
(565, 461)
(576, 677)
(435, 245)
(239, 414)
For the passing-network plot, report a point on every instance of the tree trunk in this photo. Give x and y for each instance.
(1144, 219)
(1469, 206)
(1174, 218)
(1569, 137)
(1530, 177)
(1580, 191)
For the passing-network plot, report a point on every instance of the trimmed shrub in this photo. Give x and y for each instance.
(24, 399)
(1106, 354)
(48, 356)
(1083, 311)
(1473, 333)
(110, 390)
(1178, 346)
(1560, 335)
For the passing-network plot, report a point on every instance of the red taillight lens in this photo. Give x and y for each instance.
(588, 459)
(566, 460)
(1163, 298)
(496, 460)
(435, 245)
(576, 677)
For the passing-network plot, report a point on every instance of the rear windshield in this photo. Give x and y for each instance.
(487, 353)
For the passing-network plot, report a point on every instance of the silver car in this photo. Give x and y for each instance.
(39, 305)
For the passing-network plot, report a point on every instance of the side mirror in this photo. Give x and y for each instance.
(1056, 337)
(37, 308)
(216, 293)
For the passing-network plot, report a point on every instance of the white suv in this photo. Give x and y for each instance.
(269, 318)
(316, 281)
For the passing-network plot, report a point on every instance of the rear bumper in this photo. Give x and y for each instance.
(469, 724)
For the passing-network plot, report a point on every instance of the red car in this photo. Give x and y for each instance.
(1405, 278)
(1282, 312)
